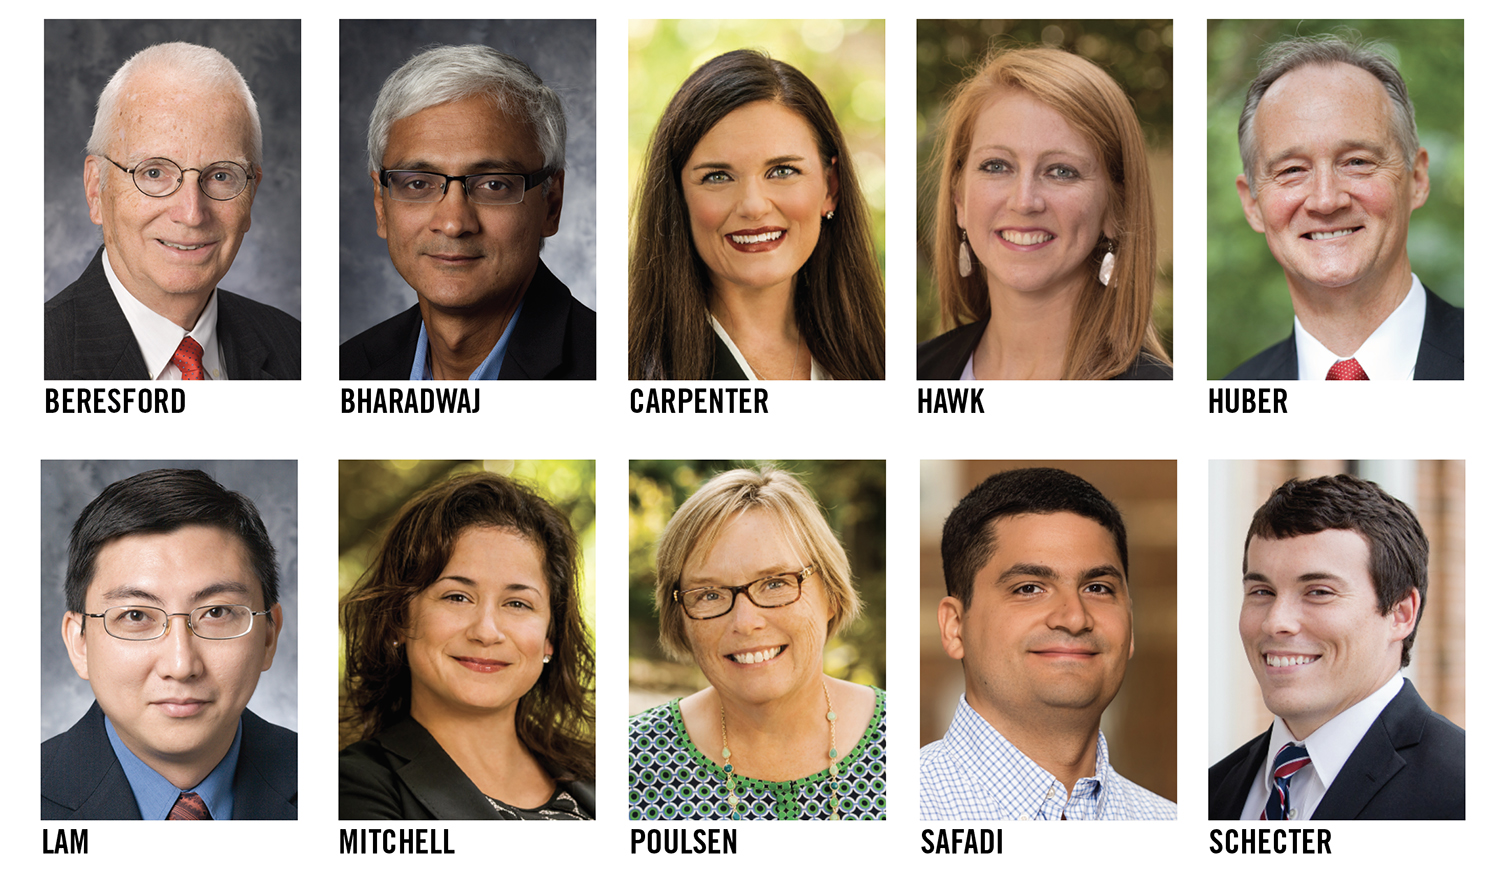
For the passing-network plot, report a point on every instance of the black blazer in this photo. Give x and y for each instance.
(944, 357)
(553, 339)
(1440, 356)
(403, 774)
(86, 336)
(82, 779)
(1408, 766)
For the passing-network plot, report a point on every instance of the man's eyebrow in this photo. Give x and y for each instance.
(486, 165)
(1023, 569)
(213, 590)
(1312, 576)
(1103, 570)
(1347, 145)
(130, 593)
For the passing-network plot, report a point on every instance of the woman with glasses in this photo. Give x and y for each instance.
(750, 584)
(468, 669)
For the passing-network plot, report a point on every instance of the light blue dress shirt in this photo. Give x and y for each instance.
(155, 795)
(489, 368)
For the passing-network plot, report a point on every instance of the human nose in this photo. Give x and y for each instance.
(484, 628)
(180, 659)
(453, 215)
(1282, 617)
(1070, 614)
(189, 203)
(744, 613)
(1328, 193)
(1027, 196)
(753, 199)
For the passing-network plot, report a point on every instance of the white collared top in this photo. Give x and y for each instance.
(159, 337)
(1389, 353)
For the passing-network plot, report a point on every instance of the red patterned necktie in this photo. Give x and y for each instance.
(1346, 370)
(189, 806)
(1289, 761)
(189, 358)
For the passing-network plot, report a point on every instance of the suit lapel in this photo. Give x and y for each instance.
(245, 353)
(265, 780)
(1228, 802)
(1377, 758)
(86, 777)
(536, 346)
(434, 778)
(103, 345)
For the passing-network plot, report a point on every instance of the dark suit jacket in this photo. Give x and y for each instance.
(1440, 356)
(82, 779)
(944, 357)
(553, 339)
(87, 336)
(403, 774)
(1408, 766)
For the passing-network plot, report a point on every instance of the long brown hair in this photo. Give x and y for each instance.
(555, 718)
(839, 299)
(1111, 324)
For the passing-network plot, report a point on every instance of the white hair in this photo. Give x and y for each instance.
(199, 66)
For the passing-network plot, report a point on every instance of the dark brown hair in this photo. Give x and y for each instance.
(555, 718)
(839, 299)
(1398, 547)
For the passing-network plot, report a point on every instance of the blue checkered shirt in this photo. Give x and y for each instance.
(974, 773)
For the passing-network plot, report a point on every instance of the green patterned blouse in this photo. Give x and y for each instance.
(671, 780)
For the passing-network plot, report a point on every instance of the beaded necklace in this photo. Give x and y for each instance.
(731, 780)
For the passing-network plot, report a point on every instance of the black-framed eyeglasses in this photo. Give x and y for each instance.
(777, 590)
(160, 177)
(142, 622)
(492, 189)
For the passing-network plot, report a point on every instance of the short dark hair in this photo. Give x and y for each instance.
(969, 536)
(161, 501)
(1398, 547)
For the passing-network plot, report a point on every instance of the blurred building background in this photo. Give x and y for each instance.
(1141, 723)
(1434, 489)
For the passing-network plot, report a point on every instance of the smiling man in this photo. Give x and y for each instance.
(172, 169)
(1335, 581)
(1038, 610)
(172, 617)
(1332, 173)
(466, 153)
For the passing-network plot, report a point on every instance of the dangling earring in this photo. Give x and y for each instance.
(1107, 266)
(965, 261)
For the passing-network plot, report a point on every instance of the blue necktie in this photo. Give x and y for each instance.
(1289, 761)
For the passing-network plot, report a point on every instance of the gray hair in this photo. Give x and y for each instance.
(199, 66)
(445, 74)
(1288, 55)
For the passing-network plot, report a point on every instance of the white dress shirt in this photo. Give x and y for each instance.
(1328, 747)
(159, 337)
(1389, 353)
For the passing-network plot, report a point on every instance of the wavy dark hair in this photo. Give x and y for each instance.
(555, 719)
(839, 299)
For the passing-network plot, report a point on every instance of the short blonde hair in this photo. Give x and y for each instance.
(703, 516)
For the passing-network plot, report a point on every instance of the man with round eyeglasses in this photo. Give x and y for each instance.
(172, 169)
(172, 616)
(466, 157)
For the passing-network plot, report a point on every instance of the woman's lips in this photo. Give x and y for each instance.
(756, 656)
(479, 664)
(756, 240)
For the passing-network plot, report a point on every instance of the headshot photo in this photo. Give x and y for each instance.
(757, 640)
(145, 717)
(1336, 199)
(160, 137)
(1326, 570)
(1049, 640)
(466, 615)
(1045, 199)
(494, 278)
(757, 164)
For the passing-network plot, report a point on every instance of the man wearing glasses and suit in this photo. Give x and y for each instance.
(172, 616)
(172, 169)
(466, 154)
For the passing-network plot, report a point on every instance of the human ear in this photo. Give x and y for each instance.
(951, 626)
(273, 632)
(379, 206)
(1249, 204)
(76, 643)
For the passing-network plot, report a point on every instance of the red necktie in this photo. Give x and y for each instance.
(189, 358)
(189, 806)
(1343, 370)
(1289, 761)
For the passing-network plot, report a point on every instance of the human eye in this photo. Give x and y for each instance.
(520, 604)
(1028, 589)
(1099, 589)
(153, 171)
(1259, 592)
(994, 165)
(132, 615)
(715, 177)
(457, 597)
(782, 171)
(1063, 172)
(493, 184)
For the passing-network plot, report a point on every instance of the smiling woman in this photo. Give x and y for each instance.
(750, 585)
(468, 668)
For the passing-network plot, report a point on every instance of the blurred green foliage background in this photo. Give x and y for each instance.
(1138, 54)
(371, 492)
(1248, 305)
(852, 494)
(845, 59)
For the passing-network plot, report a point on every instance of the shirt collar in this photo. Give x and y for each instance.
(159, 337)
(1330, 745)
(489, 368)
(1389, 353)
(1020, 788)
(155, 795)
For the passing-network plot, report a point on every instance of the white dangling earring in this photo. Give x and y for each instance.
(965, 261)
(1107, 267)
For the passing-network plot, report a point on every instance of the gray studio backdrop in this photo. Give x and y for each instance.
(81, 56)
(69, 485)
(560, 52)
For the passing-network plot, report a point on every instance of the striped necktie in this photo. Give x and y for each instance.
(189, 806)
(1289, 760)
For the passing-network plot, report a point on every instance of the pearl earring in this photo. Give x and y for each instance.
(1107, 266)
(965, 261)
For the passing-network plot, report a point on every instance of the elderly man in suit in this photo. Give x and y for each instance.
(1335, 580)
(172, 169)
(168, 736)
(1332, 173)
(466, 154)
